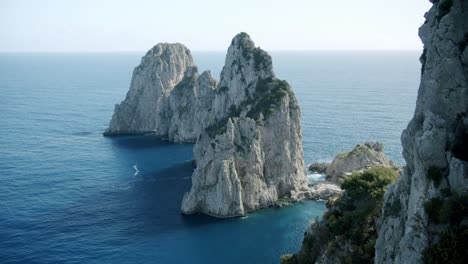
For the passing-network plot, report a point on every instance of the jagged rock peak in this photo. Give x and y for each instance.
(261, 59)
(164, 49)
(246, 62)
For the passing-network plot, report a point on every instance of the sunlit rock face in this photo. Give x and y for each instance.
(435, 141)
(146, 107)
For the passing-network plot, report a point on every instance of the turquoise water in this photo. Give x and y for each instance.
(69, 195)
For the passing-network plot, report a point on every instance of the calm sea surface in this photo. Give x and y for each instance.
(69, 195)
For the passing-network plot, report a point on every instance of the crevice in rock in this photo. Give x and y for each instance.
(460, 143)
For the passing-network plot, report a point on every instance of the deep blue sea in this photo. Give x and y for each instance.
(70, 195)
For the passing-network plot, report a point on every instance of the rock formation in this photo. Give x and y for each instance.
(251, 154)
(359, 158)
(435, 143)
(247, 128)
(146, 108)
(319, 167)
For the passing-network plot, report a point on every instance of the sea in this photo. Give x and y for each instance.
(70, 195)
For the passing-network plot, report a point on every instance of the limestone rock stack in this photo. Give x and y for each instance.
(250, 155)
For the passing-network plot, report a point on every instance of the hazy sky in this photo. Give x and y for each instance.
(137, 25)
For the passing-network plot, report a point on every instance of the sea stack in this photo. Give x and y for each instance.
(247, 127)
(146, 108)
(435, 147)
(251, 154)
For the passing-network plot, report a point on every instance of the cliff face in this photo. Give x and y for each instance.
(250, 155)
(247, 128)
(435, 143)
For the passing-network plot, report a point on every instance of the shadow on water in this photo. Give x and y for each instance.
(139, 141)
(171, 173)
(82, 133)
(127, 202)
(149, 205)
(160, 194)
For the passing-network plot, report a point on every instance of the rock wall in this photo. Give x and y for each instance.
(435, 143)
(247, 128)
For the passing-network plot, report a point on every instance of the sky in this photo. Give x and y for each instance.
(137, 25)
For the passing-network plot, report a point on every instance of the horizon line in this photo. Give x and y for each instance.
(197, 50)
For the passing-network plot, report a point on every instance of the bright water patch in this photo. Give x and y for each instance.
(315, 177)
(69, 195)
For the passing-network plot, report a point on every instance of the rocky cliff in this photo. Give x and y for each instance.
(420, 220)
(247, 127)
(251, 154)
(370, 154)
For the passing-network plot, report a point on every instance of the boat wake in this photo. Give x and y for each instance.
(136, 170)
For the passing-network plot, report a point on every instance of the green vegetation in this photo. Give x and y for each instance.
(184, 83)
(369, 184)
(350, 219)
(217, 128)
(432, 208)
(451, 248)
(234, 111)
(282, 202)
(311, 245)
(435, 174)
(246, 44)
(451, 211)
(393, 209)
(355, 151)
(260, 57)
(286, 258)
(444, 8)
(343, 155)
(223, 89)
(267, 97)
